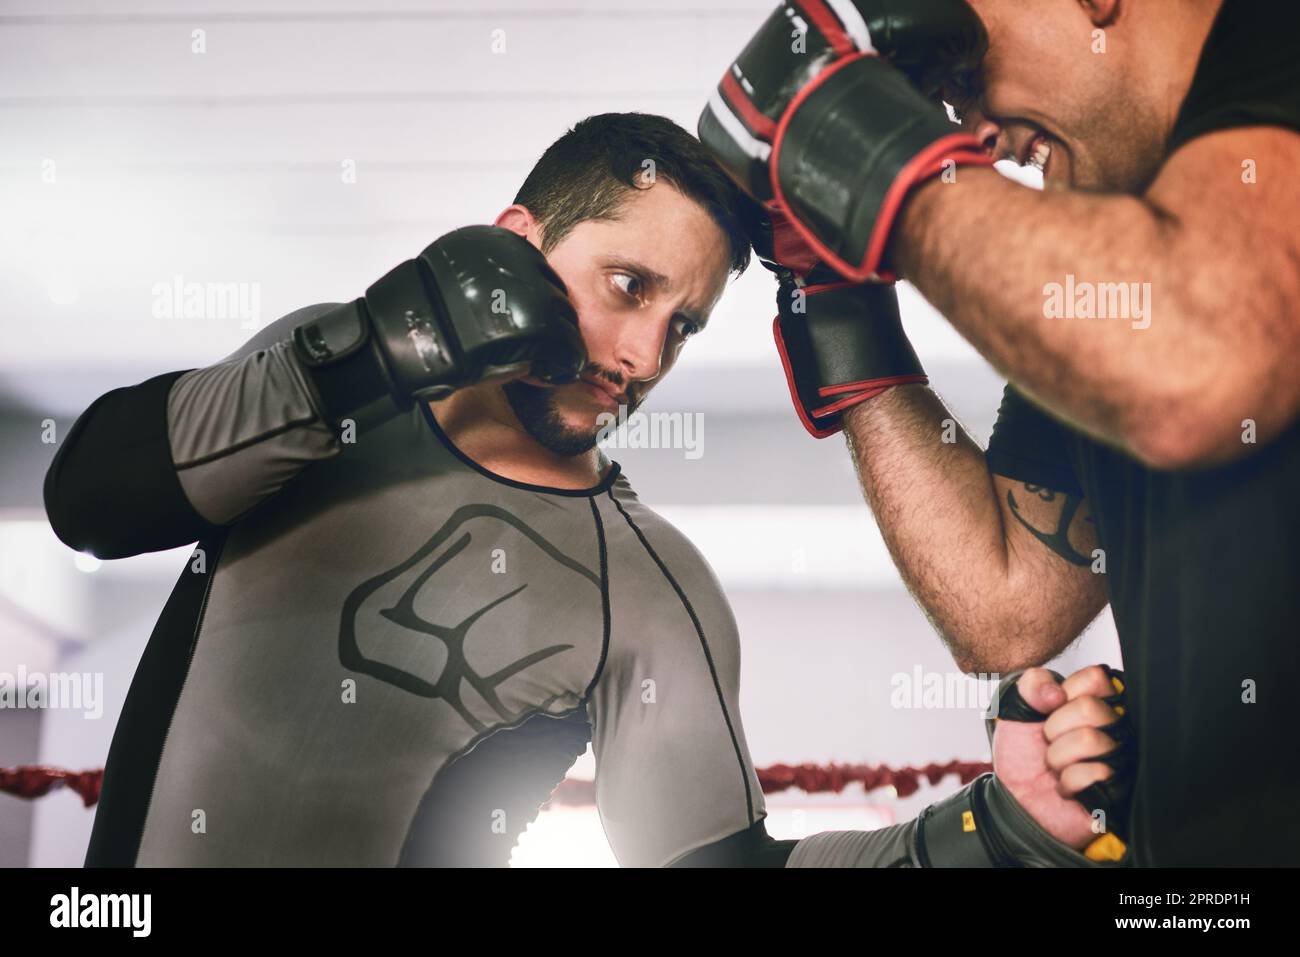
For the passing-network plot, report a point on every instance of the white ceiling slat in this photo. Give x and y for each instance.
(481, 51)
(227, 167)
(96, 10)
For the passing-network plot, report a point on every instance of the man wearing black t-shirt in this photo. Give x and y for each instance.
(1144, 310)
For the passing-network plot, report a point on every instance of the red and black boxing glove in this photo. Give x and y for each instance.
(840, 342)
(824, 117)
(479, 301)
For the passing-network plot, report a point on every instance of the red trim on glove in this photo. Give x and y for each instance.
(864, 390)
(812, 428)
(876, 388)
(959, 147)
(828, 286)
(788, 246)
(825, 20)
(963, 148)
(883, 383)
(847, 403)
(759, 123)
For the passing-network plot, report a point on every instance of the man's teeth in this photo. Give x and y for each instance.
(1041, 153)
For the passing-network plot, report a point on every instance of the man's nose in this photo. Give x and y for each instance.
(640, 350)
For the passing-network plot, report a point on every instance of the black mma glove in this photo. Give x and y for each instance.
(480, 301)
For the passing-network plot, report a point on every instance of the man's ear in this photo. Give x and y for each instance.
(1102, 13)
(519, 219)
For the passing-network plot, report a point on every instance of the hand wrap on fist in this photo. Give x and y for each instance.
(984, 825)
(1108, 800)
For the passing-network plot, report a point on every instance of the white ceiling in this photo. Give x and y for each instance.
(226, 166)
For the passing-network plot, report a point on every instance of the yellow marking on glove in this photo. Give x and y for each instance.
(1107, 847)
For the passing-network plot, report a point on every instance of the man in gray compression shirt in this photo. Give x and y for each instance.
(399, 630)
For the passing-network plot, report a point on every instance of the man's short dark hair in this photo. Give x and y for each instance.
(588, 172)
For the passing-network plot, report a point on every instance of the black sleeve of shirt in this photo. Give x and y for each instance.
(1248, 74)
(111, 489)
(1028, 445)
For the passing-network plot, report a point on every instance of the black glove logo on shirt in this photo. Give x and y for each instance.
(481, 620)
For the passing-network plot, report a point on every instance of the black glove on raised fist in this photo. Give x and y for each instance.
(478, 302)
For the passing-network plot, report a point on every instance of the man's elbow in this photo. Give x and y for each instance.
(1196, 413)
(994, 661)
(1194, 432)
(1169, 449)
(73, 520)
(991, 651)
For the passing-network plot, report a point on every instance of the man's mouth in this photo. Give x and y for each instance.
(1037, 152)
(603, 391)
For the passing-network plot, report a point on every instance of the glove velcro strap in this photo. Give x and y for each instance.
(855, 393)
(842, 342)
(983, 825)
(857, 336)
(344, 368)
(409, 319)
(957, 832)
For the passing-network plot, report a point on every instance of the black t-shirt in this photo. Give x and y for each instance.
(1203, 567)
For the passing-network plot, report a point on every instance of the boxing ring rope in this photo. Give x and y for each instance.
(33, 781)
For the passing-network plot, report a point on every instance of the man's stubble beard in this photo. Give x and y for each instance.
(1130, 135)
(536, 409)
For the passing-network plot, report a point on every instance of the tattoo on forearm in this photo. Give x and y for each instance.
(1058, 540)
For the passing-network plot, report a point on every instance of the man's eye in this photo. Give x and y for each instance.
(629, 284)
(686, 328)
(962, 91)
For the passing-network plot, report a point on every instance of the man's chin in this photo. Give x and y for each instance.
(550, 420)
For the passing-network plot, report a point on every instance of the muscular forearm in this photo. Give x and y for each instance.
(985, 250)
(933, 498)
(935, 507)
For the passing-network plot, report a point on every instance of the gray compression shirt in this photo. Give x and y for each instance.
(395, 655)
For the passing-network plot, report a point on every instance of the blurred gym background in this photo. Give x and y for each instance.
(301, 148)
